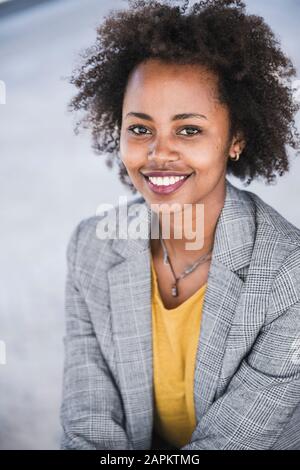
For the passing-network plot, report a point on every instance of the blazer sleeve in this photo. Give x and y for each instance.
(262, 394)
(91, 413)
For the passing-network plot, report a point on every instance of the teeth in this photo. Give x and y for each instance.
(165, 180)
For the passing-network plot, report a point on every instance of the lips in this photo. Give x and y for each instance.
(162, 189)
(165, 173)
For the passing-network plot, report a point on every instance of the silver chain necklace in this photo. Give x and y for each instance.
(188, 270)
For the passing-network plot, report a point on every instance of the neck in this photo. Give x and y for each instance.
(190, 235)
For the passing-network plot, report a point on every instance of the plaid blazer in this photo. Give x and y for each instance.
(247, 371)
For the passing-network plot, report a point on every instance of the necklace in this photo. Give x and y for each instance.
(188, 270)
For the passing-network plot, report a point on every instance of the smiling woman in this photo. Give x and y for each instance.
(169, 347)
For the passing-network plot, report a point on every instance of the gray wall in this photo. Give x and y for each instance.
(49, 180)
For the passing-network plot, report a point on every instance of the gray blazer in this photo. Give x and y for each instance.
(247, 372)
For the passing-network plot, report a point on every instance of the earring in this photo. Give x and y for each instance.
(237, 156)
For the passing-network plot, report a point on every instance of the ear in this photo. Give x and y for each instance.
(238, 144)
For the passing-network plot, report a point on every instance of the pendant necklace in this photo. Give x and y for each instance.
(188, 270)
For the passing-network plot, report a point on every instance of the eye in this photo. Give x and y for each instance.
(197, 129)
(131, 129)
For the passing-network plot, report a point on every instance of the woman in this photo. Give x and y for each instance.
(168, 346)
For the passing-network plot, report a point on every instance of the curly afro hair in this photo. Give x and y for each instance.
(254, 76)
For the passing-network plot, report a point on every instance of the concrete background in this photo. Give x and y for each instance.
(49, 180)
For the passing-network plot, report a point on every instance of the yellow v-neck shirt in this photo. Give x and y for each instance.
(175, 339)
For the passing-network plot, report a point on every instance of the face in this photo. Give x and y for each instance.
(173, 124)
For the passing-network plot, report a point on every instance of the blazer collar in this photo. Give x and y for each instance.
(234, 233)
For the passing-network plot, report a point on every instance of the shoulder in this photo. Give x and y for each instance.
(249, 220)
(281, 240)
(272, 229)
(266, 214)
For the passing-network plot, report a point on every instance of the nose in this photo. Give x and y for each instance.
(162, 153)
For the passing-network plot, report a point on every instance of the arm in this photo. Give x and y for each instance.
(261, 396)
(91, 412)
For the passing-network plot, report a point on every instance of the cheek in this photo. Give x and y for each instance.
(207, 160)
(126, 154)
(131, 161)
(203, 160)
(133, 156)
(220, 144)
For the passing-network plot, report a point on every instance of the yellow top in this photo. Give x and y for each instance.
(175, 340)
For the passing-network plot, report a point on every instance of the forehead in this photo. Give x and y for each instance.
(172, 86)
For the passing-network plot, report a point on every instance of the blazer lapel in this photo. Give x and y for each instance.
(233, 246)
(130, 301)
(130, 297)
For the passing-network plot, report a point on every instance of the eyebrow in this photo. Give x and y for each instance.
(176, 117)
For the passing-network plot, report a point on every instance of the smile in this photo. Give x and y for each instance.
(165, 184)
